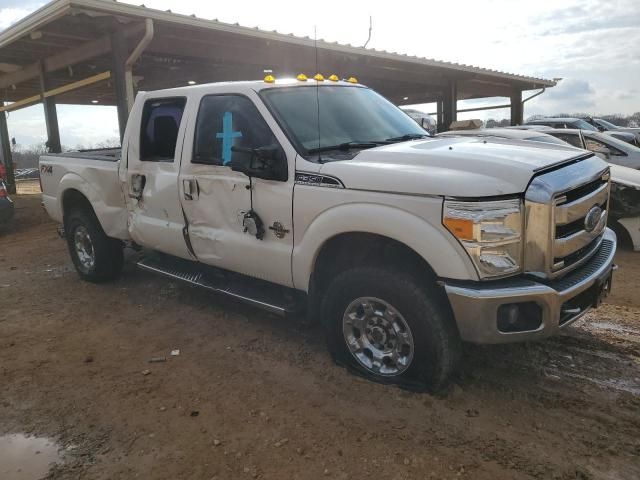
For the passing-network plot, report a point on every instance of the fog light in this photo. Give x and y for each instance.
(519, 317)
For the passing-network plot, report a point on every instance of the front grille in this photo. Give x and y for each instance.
(579, 254)
(583, 190)
(563, 226)
(595, 263)
(573, 241)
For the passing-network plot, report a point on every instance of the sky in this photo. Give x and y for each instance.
(591, 44)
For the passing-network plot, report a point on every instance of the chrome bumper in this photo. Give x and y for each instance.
(475, 305)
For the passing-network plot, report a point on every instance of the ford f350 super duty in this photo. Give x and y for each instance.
(322, 197)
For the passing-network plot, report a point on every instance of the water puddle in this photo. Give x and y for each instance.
(26, 458)
(610, 383)
(612, 327)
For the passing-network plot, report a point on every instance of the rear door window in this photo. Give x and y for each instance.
(161, 118)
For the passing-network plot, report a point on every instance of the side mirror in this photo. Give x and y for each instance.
(267, 162)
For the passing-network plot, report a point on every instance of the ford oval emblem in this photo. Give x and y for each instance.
(592, 219)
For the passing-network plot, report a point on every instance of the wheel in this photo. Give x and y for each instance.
(387, 326)
(97, 258)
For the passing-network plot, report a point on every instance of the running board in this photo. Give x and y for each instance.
(268, 296)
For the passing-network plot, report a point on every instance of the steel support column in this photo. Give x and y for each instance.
(517, 108)
(450, 105)
(50, 115)
(5, 150)
(439, 118)
(120, 53)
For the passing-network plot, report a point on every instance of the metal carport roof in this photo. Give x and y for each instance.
(96, 51)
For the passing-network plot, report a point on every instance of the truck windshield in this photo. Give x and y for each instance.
(350, 118)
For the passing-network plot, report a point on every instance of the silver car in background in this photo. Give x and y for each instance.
(581, 124)
(612, 129)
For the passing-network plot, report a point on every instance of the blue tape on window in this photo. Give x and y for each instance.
(227, 135)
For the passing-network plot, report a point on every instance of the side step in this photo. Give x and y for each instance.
(268, 296)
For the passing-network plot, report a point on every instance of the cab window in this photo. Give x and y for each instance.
(226, 122)
(595, 145)
(573, 140)
(161, 119)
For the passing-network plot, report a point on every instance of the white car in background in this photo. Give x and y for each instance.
(605, 146)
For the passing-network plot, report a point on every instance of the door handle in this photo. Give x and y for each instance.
(190, 189)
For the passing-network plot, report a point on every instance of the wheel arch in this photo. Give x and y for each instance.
(75, 191)
(351, 227)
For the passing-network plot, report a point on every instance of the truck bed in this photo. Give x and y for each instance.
(94, 174)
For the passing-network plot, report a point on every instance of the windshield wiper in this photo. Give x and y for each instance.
(346, 146)
(407, 137)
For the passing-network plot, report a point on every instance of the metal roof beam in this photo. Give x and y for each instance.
(26, 102)
(88, 51)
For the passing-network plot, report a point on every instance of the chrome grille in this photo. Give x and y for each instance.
(566, 216)
(572, 241)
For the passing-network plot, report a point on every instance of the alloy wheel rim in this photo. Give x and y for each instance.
(84, 248)
(378, 336)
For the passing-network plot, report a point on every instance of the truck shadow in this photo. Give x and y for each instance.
(579, 360)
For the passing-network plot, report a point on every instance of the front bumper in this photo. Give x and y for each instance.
(476, 305)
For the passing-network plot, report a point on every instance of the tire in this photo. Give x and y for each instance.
(97, 258)
(434, 354)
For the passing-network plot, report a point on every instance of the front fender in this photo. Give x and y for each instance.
(438, 248)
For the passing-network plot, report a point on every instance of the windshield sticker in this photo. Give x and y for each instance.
(227, 135)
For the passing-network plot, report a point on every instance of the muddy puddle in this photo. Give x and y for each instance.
(26, 458)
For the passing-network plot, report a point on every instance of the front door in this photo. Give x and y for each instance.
(155, 137)
(217, 199)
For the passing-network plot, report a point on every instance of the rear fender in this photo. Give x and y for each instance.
(111, 215)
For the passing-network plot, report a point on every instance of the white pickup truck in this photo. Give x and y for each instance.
(322, 197)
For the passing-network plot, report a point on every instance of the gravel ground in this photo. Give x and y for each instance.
(255, 396)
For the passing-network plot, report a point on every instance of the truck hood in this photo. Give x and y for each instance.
(461, 167)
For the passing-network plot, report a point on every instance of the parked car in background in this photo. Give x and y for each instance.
(510, 133)
(563, 122)
(529, 127)
(612, 129)
(6, 205)
(581, 124)
(424, 120)
(605, 146)
(624, 214)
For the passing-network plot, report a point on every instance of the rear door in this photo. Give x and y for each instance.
(216, 199)
(155, 142)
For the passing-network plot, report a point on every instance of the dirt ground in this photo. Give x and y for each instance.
(255, 396)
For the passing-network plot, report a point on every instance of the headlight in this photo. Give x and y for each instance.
(491, 232)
